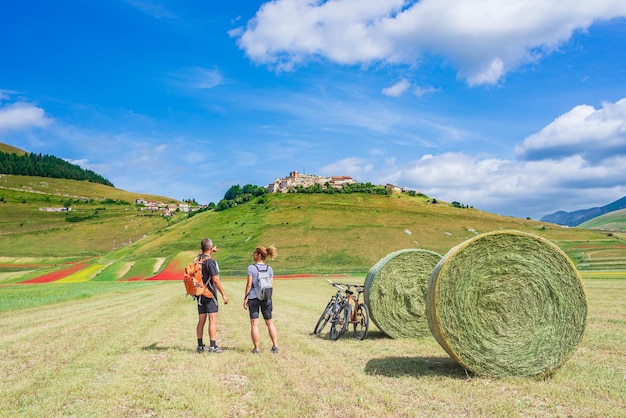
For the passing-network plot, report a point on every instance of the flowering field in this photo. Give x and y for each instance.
(84, 275)
(59, 274)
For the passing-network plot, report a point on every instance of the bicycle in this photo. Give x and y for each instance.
(340, 312)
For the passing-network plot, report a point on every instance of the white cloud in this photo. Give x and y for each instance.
(576, 162)
(82, 163)
(18, 116)
(483, 39)
(593, 133)
(516, 188)
(198, 78)
(421, 91)
(397, 89)
(352, 166)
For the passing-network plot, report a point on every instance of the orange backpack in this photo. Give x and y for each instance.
(192, 278)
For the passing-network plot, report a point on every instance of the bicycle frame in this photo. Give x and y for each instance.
(345, 308)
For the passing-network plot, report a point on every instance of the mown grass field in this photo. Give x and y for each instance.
(103, 349)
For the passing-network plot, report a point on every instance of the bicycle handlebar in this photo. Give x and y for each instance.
(359, 287)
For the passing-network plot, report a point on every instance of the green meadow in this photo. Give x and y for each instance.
(95, 338)
(101, 349)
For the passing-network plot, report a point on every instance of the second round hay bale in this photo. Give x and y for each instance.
(395, 292)
(507, 303)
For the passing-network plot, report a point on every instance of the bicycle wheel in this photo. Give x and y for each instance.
(339, 322)
(325, 317)
(362, 324)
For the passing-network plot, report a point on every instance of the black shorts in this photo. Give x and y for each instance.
(207, 305)
(265, 306)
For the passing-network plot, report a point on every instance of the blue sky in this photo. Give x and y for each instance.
(516, 108)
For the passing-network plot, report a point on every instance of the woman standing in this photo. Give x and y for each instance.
(254, 304)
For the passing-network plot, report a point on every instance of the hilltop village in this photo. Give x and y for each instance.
(297, 179)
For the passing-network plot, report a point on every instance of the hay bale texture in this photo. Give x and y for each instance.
(507, 303)
(395, 292)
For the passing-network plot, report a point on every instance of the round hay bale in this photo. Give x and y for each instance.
(395, 292)
(507, 303)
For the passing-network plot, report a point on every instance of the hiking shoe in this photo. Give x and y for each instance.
(200, 349)
(274, 349)
(215, 349)
(256, 351)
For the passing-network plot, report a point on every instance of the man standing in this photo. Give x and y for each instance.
(208, 306)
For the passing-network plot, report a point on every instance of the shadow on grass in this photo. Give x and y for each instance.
(415, 367)
(155, 347)
(376, 335)
(191, 349)
(371, 335)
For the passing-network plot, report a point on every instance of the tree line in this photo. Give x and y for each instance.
(349, 188)
(46, 166)
(238, 195)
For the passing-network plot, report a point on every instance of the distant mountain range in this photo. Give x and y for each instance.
(577, 217)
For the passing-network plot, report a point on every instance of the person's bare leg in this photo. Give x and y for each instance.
(272, 331)
(213, 326)
(200, 327)
(254, 332)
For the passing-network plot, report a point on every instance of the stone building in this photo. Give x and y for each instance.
(295, 179)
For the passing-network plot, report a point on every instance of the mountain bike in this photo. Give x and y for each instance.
(345, 308)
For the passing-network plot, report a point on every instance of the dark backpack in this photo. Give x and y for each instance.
(263, 282)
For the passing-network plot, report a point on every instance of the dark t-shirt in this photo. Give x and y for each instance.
(209, 270)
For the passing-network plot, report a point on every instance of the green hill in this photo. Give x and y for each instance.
(612, 221)
(101, 218)
(318, 233)
(10, 149)
(314, 233)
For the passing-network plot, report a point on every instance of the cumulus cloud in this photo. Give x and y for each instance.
(19, 116)
(579, 159)
(397, 89)
(516, 188)
(483, 39)
(593, 133)
(508, 178)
